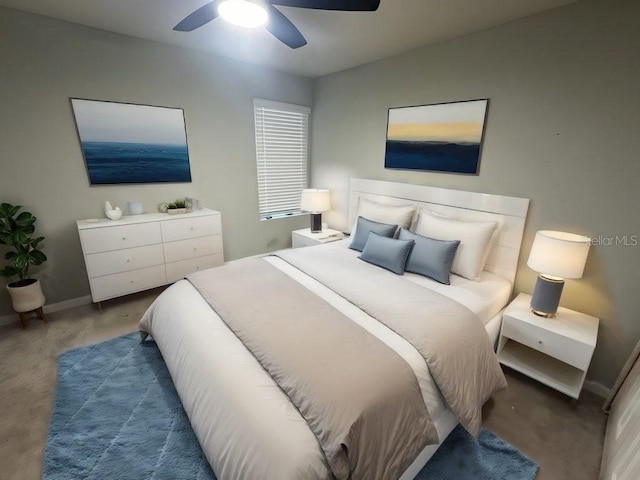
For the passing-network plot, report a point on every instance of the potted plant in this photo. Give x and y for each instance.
(179, 206)
(16, 231)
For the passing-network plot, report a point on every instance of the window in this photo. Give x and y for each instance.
(282, 132)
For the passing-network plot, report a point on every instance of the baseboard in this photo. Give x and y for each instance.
(597, 388)
(51, 308)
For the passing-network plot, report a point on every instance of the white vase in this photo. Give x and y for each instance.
(135, 208)
(26, 298)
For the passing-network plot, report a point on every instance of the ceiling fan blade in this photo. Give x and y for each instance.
(342, 5)
(198, 18)
(281, 27)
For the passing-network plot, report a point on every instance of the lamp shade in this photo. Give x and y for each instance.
(559, 254)
(315, 200)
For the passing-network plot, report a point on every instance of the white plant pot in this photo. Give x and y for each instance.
(26, 298)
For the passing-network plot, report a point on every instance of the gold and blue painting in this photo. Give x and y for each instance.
(444, 137)
(130, 143)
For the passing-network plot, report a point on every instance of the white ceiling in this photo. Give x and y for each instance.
(336, 40)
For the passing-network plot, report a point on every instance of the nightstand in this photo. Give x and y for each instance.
(304, 237)
(555, 351)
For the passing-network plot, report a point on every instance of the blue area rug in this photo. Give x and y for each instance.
(461, 457)
(117, 416)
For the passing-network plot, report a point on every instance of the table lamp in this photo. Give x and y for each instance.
(555, 256)
(315, 201)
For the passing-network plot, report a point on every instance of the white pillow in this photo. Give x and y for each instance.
(475, 240)
(400, 215)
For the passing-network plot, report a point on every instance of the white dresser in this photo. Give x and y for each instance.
(139, 252)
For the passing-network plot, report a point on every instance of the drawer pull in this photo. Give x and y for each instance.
(195, 249)
(124, 238)
(191, 228)
(128, 261)
(540, 342)
(131, 281)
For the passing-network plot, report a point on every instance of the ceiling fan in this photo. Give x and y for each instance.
(253, 13)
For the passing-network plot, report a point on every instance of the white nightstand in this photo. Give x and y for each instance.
(304, 237)
(555, 351)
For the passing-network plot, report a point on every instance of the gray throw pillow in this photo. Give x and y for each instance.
(430, 257)
(364, 226)
(387, 252)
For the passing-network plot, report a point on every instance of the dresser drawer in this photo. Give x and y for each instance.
(178, 270)
(192, 248)
(111, 286)
(192, 227)
(563, 348)
(107, 263)
(96, 240)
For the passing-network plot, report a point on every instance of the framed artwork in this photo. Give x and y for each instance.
(129, 143)
(444, 137)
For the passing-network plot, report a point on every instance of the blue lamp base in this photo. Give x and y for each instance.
(315, 223)
(546, 296)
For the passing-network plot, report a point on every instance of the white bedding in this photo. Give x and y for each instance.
(241, 417)
(485, 297)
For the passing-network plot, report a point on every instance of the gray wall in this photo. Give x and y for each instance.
(43, 62)
(562, 131)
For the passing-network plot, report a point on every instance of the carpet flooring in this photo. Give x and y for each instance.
(565, 440)
(117, 415)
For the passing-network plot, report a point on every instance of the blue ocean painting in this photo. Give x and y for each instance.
(118, 162)
(442, 137)
(436, 156)
(130, 143)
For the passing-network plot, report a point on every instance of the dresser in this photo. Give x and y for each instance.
(139, 252)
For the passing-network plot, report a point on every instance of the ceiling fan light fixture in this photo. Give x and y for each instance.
(243, 13)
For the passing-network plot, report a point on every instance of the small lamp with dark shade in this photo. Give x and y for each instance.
(555, 256)
(315, 201)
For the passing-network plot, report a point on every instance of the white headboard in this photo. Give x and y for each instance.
(510, 212)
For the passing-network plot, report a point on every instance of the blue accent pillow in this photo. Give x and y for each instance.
(430, 257)
(387, 252)
(364, 226)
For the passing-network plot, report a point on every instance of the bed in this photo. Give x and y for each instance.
(252, 426)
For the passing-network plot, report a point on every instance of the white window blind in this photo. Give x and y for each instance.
(282, 132)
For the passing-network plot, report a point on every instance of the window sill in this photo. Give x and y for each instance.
(282, 215)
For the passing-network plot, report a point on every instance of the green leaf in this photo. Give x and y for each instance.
(10, 255)
(21, 261)
(36, 241)
(25, 219)
(9, 271)
(8, 210)
(18, 237)
(37, 257)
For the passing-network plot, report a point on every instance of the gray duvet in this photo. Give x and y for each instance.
(360, 399)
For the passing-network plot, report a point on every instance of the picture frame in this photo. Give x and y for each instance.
(441, 137)
(127, 143)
